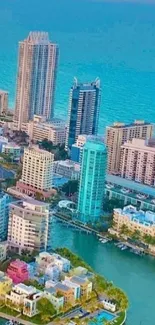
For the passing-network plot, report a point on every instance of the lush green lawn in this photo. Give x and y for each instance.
(9, 311)
(36, 319)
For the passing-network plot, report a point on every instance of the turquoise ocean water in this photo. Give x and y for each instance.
(115, 41)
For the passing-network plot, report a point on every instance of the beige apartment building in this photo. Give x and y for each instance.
(138, 161)
(36, 78)
(38, 130)
(37, 172)
(3, 102)
(135, 220)
(28, 226)
(118, 134)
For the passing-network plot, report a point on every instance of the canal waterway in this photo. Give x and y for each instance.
(134, 274)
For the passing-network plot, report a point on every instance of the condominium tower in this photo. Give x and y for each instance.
(92, 180)
(28, 225)
(3, 102)
(37, 70)
(37, 171)
(83, 114)
(138, 161)
(118, 134)
(5, 199)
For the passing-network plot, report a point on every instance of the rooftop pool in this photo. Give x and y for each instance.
(103, 315)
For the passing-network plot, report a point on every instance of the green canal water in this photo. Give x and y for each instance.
(134, 274)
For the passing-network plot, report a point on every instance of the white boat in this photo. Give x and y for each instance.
(104, 241)
(123, 248)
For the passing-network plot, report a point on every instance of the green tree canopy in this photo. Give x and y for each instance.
(71, 187)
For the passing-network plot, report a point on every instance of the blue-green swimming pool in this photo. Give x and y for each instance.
(104, 315)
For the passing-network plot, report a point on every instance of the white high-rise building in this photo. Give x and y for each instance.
(29, 225)
(36, 79)
(118, 134)
(37, 171)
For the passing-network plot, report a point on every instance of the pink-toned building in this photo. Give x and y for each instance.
(138, 161)
(18, 271)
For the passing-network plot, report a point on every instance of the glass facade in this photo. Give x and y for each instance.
(92, 180)
(83, 113)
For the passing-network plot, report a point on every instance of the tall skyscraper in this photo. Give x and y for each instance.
(36, 79)
(118, 134)
(37, 172)
(3, 102)
(92, 180)
(83, 114)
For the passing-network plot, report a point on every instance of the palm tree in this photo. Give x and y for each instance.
(124, 229)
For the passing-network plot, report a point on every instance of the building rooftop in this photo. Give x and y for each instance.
(38, 37)
(12, 145)
(139, 216)
(78, 279)
(137, 187)
(118, 125)
(18, 264)
(25, 203)
(28, 289)
(68, 163)
(87, 86)
(59, 257)
(62, 287)
(95, 143)
(139, 144)
(35, 149)
(50, 290)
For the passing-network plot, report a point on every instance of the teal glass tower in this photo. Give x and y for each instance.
(92, 180)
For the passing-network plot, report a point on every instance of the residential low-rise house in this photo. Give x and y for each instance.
(79, 271)
(55, 298)
(74, 286)
(45, 260)
(108, 303)
(5, 284)
(50, 284)
(53, 272)
(85, 285)
(18, 271)
(135, 220)
(63, 263)
(66, 292)
(24, 298)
